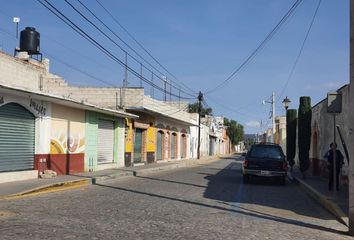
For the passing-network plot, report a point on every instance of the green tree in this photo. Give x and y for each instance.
(234, 130)
(193, 108)
(304, 132)
(291, 124)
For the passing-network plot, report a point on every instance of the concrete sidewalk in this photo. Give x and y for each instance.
(317, 188)
(30, 187)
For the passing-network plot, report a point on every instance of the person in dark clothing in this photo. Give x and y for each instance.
(339, 163)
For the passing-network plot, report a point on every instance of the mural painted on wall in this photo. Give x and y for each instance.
(68, 130)
(63, 144)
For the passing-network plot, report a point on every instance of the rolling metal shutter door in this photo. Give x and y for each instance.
(17, 137)
(159, 145)
(173, 146)
(138, 144)
(105, 141)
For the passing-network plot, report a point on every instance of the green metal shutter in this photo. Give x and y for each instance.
(105, 141)
(159, 145)
(17, 137)
(138, 145)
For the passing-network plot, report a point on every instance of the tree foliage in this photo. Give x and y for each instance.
(304, 132)
(234, 130)
(291, 124)
(193, 108)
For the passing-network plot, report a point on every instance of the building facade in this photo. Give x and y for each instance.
(41, 131)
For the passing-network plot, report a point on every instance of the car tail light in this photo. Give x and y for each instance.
(285, 165)
(245, 163)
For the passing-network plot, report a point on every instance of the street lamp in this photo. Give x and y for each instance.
(286, 102)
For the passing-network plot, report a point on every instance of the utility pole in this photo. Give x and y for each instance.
(152, 88)
(179, 98)
(165, 89)
(273, 117)
(170, 90)
(125, 82)
(200, 99)
(351, 166)
(141, 75)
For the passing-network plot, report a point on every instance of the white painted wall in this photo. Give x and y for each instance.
(322, 122)
(42, 122)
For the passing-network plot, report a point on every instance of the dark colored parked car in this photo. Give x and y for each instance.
(266, 160)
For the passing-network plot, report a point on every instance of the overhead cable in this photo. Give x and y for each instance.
(269, 36)
(300, 51)
(114, 42)
(81, 32)
(140, 45)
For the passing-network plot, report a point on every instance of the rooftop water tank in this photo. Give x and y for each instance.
(29, 41)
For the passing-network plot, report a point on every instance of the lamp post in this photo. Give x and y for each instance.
(286, 103)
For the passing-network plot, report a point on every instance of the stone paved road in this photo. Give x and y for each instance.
(203, 202)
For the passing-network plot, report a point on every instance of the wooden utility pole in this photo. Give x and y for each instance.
(200, 99)
(351, 165)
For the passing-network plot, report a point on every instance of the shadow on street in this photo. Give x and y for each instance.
(227, 188)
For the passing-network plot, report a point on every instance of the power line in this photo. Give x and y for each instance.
(140, 45)
(81, 32)
(269, 36)
(300, 51)
(77, 53)
(80, 71)
(232, 110)
(114, 42)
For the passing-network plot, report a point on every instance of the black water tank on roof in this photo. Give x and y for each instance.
(29, 41)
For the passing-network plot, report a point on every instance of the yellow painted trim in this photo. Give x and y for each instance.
(49, 189)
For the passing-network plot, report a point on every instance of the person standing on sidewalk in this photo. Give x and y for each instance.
(339, 163)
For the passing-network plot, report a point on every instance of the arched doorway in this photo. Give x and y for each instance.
(17, 138)
(159, 145)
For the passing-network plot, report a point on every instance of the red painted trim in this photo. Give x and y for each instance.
(62, 164)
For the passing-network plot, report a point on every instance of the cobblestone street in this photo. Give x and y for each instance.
(203, 202)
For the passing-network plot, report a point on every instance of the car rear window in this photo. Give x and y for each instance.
(260, 151)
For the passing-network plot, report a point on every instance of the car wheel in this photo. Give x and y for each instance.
(246, 178)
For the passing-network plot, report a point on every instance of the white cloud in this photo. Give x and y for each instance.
(253, 124)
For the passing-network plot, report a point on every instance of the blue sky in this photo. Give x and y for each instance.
(201, 42)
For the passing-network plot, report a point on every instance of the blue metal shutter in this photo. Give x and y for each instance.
(105, 141)
(17, 137)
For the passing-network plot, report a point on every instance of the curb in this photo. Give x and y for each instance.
(55, 187)
(72, 184)
(326, 202)
(100, 179)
